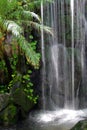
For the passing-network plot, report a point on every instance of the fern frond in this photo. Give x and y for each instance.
(32, 14)
(32, 57)
(13, 27)
(40, 27)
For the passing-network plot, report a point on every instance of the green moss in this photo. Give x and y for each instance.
(9, 115)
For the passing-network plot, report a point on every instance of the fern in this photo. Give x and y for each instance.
(13, 27)
(32, 14)
(32, 57)
(40, 27)
(19, 13)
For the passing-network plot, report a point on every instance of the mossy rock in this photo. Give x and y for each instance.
(4, 99)
(9, 115)
(82, 125)
(21, 99)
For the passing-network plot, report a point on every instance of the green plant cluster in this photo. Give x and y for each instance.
(3, 65)
(15, 17)
(28, 87)
(24, 81)
(19, 54)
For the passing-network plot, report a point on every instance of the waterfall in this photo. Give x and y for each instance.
(64, 66)
(64, 54)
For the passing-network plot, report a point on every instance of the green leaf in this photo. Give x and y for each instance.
(32, 57)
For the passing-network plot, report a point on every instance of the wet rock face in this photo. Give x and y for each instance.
(9, 115)
(82, 125)
(14, 106)
(8, 111)
(20, 98)
(59, 74)
(4, 98)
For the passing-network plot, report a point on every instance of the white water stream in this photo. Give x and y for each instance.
(64, 73)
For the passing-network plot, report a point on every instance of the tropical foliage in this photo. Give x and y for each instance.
(16, 18)
(19, 56)
(12, 17)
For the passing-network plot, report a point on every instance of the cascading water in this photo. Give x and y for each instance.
(65, 59)
(64, 71)
(60, 79)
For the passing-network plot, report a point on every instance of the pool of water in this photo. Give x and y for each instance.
(50, 120)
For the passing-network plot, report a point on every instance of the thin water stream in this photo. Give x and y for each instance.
(43, 56)
(73, 64)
